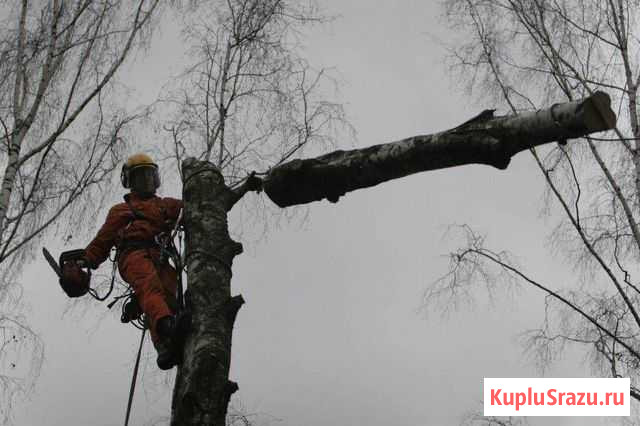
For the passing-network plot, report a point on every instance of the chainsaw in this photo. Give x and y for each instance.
(72, 270)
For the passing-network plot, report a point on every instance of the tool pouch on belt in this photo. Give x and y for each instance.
(74, 280)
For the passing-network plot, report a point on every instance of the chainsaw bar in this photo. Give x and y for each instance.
(52, 262)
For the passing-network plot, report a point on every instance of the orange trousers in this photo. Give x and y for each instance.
(153, 283)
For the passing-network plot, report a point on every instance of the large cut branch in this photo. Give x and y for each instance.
(484, 139)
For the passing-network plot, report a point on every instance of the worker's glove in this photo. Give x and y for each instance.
(74, 280)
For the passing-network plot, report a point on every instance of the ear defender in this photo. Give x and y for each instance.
(124, 176)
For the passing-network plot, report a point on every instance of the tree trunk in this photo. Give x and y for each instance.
(484, 139)
(202, 388)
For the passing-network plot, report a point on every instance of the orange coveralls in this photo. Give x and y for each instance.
(153, 283)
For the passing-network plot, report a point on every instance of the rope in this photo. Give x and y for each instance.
(94, 292)
(134, 378)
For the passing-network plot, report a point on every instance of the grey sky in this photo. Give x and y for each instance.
(331, 333)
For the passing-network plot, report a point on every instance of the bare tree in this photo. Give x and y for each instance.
(61, 135)
(528, 53)
(248, 100)
(247, 103)
(203, 389)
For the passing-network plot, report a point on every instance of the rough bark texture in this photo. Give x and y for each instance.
(484, 139)
(202, 388)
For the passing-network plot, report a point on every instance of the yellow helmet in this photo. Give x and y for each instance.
(139, 159)
(146, 166)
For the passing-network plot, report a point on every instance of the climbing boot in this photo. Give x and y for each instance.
(166, 354)
(166, 327)
(166, 347)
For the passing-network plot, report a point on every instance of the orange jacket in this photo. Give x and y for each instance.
(160, 215)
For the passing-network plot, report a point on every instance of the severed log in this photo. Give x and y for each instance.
(484, 139)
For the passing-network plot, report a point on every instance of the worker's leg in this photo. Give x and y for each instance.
(139, 270)
(169, 278)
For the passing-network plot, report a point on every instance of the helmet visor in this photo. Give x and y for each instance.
(145, 179)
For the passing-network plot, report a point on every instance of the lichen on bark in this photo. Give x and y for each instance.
(203, 388)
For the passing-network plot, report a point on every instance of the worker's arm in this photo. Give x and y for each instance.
(98, 250)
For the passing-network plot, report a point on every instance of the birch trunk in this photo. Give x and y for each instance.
(202, 388)
(483, 140)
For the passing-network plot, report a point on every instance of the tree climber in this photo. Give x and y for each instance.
(139, 229)
(133, 228)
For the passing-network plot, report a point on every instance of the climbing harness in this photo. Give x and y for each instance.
(131, 312)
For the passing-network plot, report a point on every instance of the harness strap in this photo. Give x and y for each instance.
(136, 213)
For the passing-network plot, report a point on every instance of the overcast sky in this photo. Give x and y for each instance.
(332, 332)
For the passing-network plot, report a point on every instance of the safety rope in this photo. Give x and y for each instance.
(134, 378)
